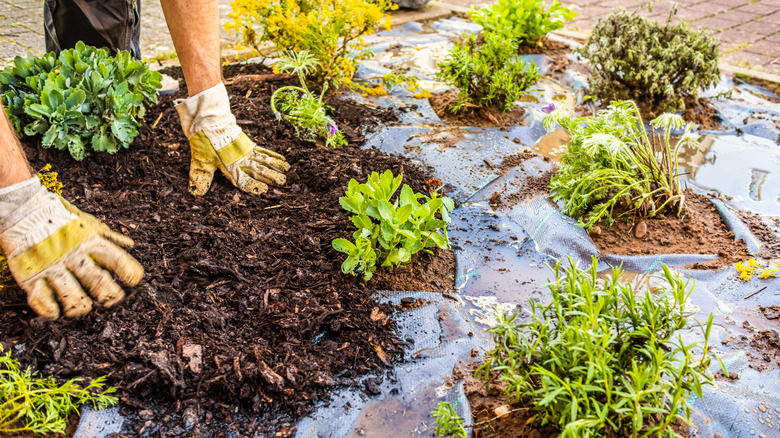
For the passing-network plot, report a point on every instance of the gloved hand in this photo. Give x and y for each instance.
(54, 249)
(217, 142)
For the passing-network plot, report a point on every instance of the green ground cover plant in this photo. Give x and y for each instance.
(615, 169)
(82, 101)
(331, 30)
(306, 111)
(390, 233)
(487, 72)
(31, 403)
(603, 360)
(527, 22)
(637, 58)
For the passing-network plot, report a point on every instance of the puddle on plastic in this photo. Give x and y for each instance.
(745, 168)
(398, 416)
(553, 144)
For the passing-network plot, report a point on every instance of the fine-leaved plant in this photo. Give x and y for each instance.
(390, 233)
(448, 423)
(331, 30)
(526, 21)
(31, 403)
(487, 72)
(614, 168)
(602, 360)
(306, 111)
(83, 100)
(637, 58)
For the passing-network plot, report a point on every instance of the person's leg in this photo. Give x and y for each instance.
(194, 28)
(13, 167)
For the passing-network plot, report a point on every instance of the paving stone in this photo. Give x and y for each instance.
(731, 3)
(759, 28)
(739, 36)
(692, 13)
(742, 17)
(758, 8)
(747, 59)
(764, 47)
(715, 23)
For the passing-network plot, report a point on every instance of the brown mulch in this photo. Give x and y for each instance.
(698, 230)
(475, 117)
(243, 319)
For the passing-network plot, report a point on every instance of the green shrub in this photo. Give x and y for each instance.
(29, 402)
(600, 361)
(307, 112)
(613, 168)
(84, 100)
(391, 233)
(527, 21)
(634, 57)
(487, 71)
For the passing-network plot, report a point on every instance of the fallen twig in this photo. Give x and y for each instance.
(755, 292)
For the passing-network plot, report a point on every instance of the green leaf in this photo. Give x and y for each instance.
(344, 245)
(385, 210)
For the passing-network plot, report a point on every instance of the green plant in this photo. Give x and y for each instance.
(526, 21)
(634, 57)
(84, 100)
(600, 361)
(448, 423)
(487, 71)
(331, 30)
(29, 402)
(305, 111)
(614, 168)
(391, 233)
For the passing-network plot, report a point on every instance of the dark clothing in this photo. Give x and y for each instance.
(115, 24)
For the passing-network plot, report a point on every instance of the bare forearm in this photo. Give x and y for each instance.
(194, 28)
(13, 163)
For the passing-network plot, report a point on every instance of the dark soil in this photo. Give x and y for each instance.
(698, 230)
(554, 49)
(476, 117)
(700, 112)
(243, 319)
(762, 348)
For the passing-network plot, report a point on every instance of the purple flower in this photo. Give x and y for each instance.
(549, 108)
(332, 130)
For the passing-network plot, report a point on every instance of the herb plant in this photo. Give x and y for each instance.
(448, 423)
(525, 21)
(29, 402)
(600, 361)
(634, 57)
(331, 30)
(305, 111)
(82, 101)
(391, 233)
(487, 72)
(613, 168)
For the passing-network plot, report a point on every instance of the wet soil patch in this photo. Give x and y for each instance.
(556, 50)
(759, 228)
(243, 319)
(442, 104)
(762, 348)
(698, 230)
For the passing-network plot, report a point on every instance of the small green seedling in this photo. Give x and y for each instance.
(391, 233)
(448, 423)
(31, 403)
(525, 21)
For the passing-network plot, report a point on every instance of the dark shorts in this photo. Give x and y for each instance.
(115, 24)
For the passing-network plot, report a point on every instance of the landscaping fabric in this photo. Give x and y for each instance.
(502, 257)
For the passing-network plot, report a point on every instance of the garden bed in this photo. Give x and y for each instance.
(243, 319)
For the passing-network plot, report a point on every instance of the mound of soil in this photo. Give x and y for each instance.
(762, 348)
(478, 117)
(243, 319)
(698, 230)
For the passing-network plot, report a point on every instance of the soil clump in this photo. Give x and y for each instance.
(243, 320)
(698, 230)
(474, 117)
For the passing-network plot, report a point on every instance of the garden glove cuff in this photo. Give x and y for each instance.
(54, 251)
(217, 142)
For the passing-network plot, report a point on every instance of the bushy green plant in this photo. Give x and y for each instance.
(85, 100)
(305, 111)
(600, 361)
(526, 21)
(31, 403)
(634, 57)
(448, 423)
(390, 233)
(614, 168)
(487, 71)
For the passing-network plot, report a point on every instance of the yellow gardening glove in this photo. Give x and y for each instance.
(217, 142)
(55, 251)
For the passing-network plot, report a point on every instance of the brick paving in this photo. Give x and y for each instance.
(749, 30)
(21, 28)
